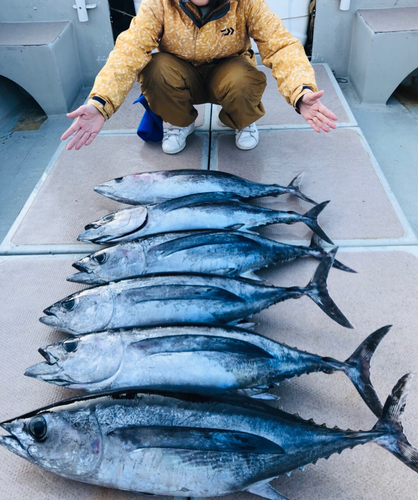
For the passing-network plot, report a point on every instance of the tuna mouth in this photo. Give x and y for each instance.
(87, 278)
(48, 371)
(110, 237)
(12, 442)
(48, 311)
(40, 372)
(13, 445)
(103, 189)
(81, 267)
(50, 319)
(50, 358)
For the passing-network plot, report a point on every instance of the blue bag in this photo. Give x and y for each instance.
(151, 125)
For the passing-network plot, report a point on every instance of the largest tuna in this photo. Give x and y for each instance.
(186, 445)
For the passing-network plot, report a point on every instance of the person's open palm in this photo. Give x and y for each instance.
(89, 122)
(315, 113)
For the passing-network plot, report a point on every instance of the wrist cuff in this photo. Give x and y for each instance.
(304, 90)
(101, 105)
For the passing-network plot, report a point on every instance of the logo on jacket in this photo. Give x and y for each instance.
(227, 31)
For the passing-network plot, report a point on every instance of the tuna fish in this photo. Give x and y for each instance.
(149, 188)
(226, 253)
(188, 445)
(196, 211)
(204, 359)
(189, 298)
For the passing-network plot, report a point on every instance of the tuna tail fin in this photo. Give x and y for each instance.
(318, 292)
(393, 438)
(294, 188)
(311, 220)
(357, 369)
(316, 244)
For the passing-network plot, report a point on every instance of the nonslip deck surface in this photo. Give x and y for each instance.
(384, 291)
(336, 167)
(70, 185)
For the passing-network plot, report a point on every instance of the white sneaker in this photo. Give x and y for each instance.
(174, 139)
(247, 138)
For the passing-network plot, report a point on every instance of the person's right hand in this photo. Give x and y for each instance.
(85, 128)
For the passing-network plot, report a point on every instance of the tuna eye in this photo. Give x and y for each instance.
(119, 179)
(68, 304)
(100, 258)
(38, 428)
(70, 345)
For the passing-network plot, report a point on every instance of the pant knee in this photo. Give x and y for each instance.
(241, 86)
(160, 73)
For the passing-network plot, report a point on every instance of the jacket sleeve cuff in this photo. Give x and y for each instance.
(299, 93)
(105, 108)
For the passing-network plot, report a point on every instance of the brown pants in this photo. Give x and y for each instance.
(172, 87)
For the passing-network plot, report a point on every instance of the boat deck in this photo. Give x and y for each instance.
(366, 168)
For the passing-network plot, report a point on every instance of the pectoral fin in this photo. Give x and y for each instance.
(199, 343)
(249, 275)
(266, 491)
(188, 438)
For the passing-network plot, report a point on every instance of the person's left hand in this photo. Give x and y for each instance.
(315, 113)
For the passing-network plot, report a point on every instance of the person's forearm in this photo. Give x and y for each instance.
(281, 52)
(131, 54)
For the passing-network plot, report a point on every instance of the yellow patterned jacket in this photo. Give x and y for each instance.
(176, 27)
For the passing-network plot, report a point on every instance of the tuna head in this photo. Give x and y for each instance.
(132, 188)
(108, 264)
(92, 360)
(67, 443)
(115, 225)
(111, 188)
(82, 312)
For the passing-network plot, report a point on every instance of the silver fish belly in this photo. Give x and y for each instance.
(204, 359)
(155, 187)
(131, 440)
(226, 253)
(194, 212)
(164, 299)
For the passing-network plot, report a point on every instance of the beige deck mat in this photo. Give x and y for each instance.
(337, 166)
(129, 115)
(70, 184)
(280, 115)
(383, 292)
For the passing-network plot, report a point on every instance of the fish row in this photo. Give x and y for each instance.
(163, 317)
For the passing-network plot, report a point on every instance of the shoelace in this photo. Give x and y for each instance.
(173, 132)
(249, 130)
